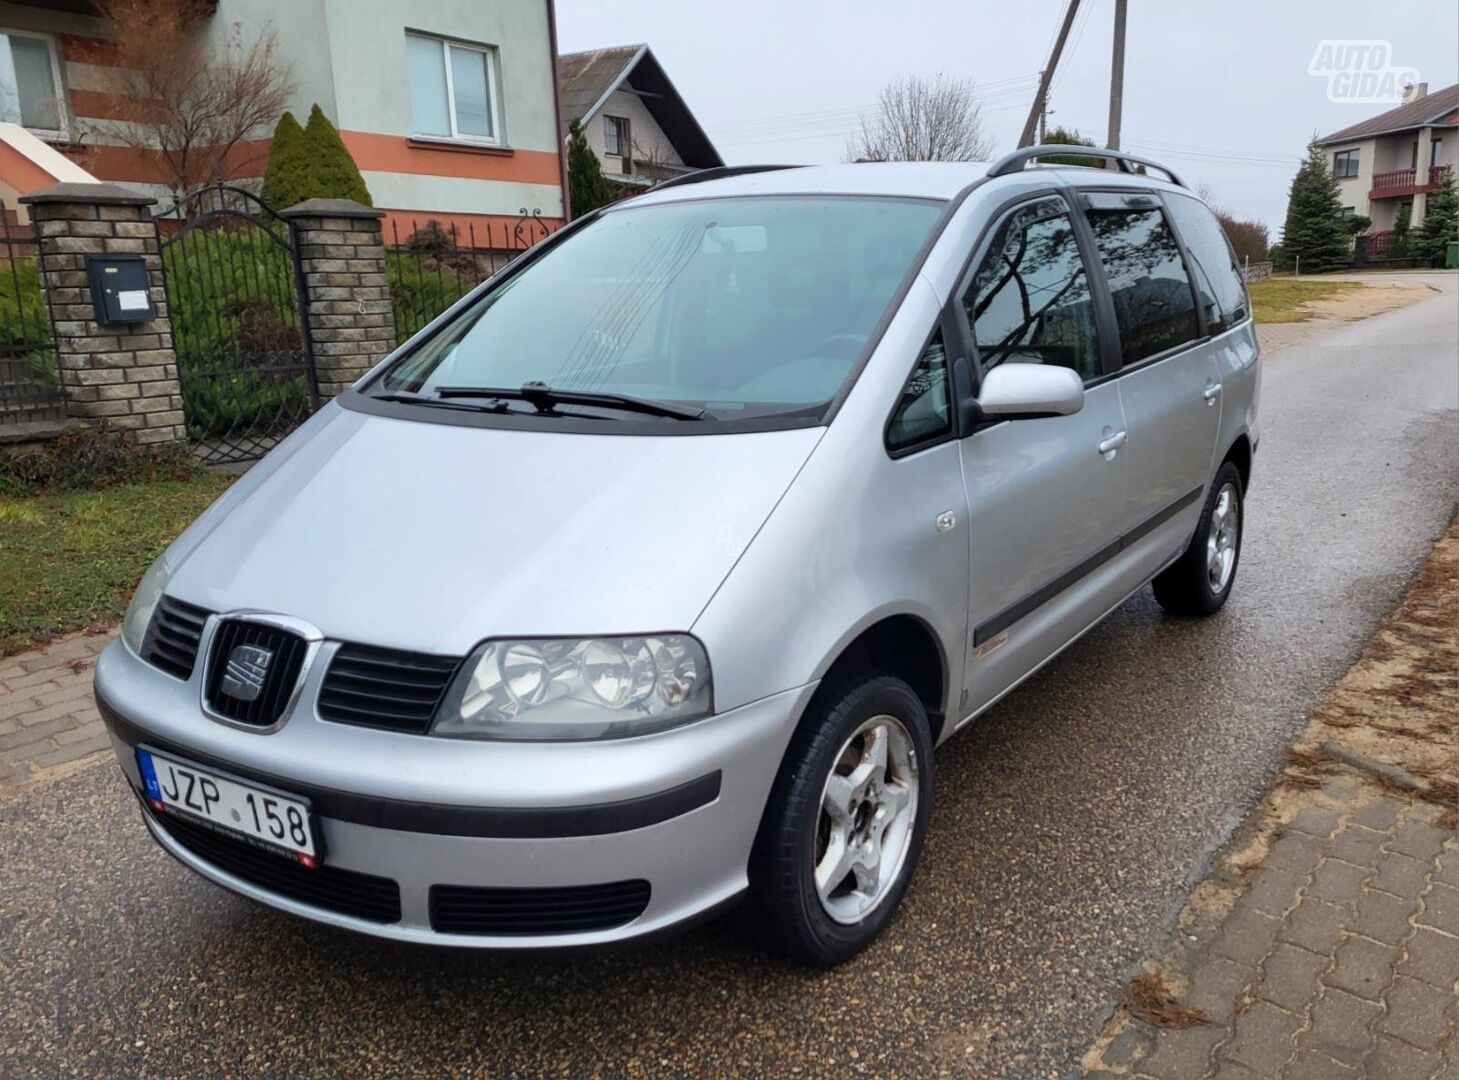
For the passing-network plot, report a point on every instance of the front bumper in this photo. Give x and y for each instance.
(678, 809)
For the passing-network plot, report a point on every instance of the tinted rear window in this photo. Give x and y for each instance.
(1154, 306)
(1218, 279)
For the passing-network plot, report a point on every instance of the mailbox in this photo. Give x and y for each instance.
(119, 289)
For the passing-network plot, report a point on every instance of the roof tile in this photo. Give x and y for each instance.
(1431, 109)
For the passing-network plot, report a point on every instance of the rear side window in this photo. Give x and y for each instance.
(1218, 279)
(1029, 302)
(923, 412)
(1155, 309)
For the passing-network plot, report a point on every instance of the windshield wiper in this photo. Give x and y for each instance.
(421, 399)
(544, 398)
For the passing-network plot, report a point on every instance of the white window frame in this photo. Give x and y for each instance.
(621, 129)
(63, 112)
(493, 91)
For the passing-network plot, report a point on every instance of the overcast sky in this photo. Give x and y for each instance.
(1219, 88)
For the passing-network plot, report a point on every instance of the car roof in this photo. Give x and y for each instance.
(907, 179)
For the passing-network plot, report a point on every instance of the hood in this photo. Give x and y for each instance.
(432, 537)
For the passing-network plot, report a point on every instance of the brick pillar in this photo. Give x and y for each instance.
(123, 374)
(342, 255)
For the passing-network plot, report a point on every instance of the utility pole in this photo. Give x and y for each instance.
(1041, 98)
(1117, 76)
(1043, 115)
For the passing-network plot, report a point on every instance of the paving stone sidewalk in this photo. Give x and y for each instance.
(1325, 941)
(1341, 959)
(48, 719)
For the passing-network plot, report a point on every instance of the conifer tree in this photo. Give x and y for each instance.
(588, 188)
(1402, 228)
(1314, 230)
(1441, 221)
(287, 175)
(333, 173)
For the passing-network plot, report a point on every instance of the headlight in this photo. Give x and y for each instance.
(577, 688)
(144, 602)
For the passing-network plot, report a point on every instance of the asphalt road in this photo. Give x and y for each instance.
(1067, 828)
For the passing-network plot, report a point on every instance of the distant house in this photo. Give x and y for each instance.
(1395, 159)
(634, 119)
(448, 108)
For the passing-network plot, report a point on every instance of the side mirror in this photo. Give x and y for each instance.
(1014, 391)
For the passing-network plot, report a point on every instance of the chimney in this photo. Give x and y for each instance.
(1414, 91)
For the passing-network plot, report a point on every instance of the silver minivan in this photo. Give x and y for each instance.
(648, 577)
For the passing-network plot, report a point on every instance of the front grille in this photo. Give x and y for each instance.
(465, 909)
(348, 892)
(287, 659)
(171, 641)
(382, 688)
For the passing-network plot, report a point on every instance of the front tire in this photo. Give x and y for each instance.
(845, 822)
(1199, 582)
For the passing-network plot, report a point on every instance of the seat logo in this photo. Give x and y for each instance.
(247, 669)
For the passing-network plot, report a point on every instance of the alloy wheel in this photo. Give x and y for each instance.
(1221, 538)
(868, 810)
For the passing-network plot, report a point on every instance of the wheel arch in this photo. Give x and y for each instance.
(902, 645)
(1239, 454)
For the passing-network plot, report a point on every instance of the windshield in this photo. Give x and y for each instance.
(744, 306)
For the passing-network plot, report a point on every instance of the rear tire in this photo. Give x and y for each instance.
(1199, 582)
(841, 833)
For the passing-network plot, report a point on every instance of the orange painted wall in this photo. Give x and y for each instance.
(20, 173)
(393, 153)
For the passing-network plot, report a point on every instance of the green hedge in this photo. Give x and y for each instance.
(234, 318)
(231, 291)
(422, 288)
(220, 401)
(24, 320)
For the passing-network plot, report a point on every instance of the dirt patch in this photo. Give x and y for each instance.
(1400, 703)
(1372, 299)
(1152, 998)
(1289, 318)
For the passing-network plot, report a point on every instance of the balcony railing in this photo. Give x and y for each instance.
(1398, 182)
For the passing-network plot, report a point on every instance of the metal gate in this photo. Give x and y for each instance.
(236, 297)
(30, 397)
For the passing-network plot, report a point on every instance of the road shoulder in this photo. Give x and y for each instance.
(1326, 941)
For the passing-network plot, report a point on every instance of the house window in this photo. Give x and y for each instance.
(453, 89)
(1436, 149)
(1345, 164)
(615, 136)
(30, 90)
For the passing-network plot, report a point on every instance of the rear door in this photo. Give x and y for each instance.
(1045, 500)
(1168, 378)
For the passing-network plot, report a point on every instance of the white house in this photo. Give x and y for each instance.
(634, 119)
(1395, 159)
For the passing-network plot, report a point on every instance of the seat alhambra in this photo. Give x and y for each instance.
(648, 577)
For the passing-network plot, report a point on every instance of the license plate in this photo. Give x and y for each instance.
(266, 817)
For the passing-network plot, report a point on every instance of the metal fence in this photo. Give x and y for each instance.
(433, 264)
(244, 360)
(30, 396)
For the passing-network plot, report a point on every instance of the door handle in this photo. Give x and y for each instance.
(1113, 443)
(1211, 392)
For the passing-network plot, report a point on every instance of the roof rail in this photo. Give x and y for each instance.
(1018, 159)
(717, 172)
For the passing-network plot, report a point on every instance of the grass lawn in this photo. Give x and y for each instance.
(1282, 299)
(69, 560)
